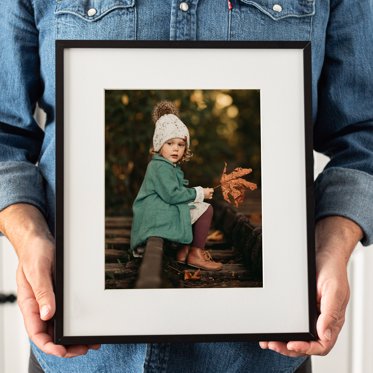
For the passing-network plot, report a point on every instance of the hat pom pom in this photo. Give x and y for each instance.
(163, 108)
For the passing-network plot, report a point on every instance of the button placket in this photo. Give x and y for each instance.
(183, 20)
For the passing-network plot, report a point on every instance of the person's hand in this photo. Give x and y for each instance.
(336, 238)
(27, 230)
(208, 193)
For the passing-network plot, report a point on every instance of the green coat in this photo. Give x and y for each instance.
(161, 207)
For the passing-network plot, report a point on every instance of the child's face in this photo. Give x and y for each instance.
(173, 149)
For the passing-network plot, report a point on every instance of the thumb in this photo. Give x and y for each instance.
(332, 307)
(42, 287)
(44, 295)
(326, 324)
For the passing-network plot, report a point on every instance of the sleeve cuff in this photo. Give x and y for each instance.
(199, 194)
(21, 182)
(348, 193)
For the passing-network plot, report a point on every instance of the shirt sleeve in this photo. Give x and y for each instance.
(20, 136)
(344, 126)
(199, 194)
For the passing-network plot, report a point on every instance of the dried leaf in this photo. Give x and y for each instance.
(215, 236)
(187, 275)
(192, 276)
(196, 275)
(233, 186)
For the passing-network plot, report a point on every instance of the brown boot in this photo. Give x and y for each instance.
(201, 258)
(181, 255)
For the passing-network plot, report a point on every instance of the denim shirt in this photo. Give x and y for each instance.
(342, 83)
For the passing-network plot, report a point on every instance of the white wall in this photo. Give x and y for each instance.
(14, 347)
(2, 335)
(362, 314)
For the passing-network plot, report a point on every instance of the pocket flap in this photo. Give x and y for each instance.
(283, 9)
(91, 10)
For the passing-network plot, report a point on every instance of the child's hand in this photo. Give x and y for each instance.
(208, 193)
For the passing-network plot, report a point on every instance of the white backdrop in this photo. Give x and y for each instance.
(14, 348)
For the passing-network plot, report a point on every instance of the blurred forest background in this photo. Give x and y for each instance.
(224, 126)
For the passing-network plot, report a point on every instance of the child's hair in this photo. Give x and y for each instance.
(163, 108)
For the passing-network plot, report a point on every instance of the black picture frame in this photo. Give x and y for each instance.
(107, 60)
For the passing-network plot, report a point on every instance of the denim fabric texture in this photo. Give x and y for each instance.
(342, 90)
(173, 358)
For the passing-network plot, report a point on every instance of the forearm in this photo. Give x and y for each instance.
(22, 224)
(337, 236)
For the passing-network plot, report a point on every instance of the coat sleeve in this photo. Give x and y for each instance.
(344, 126)
(21, 87)
(167, 186)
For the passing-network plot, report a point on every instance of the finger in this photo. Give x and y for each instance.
(281, 348)
(40, 279)
(73, 350)
(332, 316)
(321, 347)
(311, 348)
(94, 347)
(329, 324)
(333, 303)
(35, 327)
(76, 350)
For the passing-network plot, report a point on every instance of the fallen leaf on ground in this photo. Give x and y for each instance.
(192, 276)
(215, 236)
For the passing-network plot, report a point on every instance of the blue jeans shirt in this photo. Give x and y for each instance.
(342, 85)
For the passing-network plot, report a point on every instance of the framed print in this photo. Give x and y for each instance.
(184, 192)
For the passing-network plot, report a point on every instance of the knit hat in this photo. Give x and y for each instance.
(168, 125)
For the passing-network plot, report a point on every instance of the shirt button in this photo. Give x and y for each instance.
(277, 8)
(184, 7)
(91, 12)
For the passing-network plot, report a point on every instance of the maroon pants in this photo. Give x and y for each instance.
(201, 228)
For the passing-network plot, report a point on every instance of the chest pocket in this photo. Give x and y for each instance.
(94, 19)
(272, 20)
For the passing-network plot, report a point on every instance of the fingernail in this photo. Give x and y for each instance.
(44, 312)
(328, 334)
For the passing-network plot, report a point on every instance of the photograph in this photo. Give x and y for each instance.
(182, 189)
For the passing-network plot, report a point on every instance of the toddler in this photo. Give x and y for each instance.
(165, 206)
